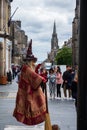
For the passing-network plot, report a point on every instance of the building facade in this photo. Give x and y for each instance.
(19, 42)
(75, 34)
(68, 43)
(13, 41)
(5, 42)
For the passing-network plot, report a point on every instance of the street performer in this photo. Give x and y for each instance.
(30, 106)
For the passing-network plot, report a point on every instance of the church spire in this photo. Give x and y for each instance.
(77, 3)
(54, 40)
(54, 28)
(54, 45)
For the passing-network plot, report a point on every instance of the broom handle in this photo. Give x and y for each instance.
(46, 97)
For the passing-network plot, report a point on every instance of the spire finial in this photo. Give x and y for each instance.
(77, 3)
(54, 28)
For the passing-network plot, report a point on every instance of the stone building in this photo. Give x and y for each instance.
(19, 42)
(75, 34)
(68, 43)
(13, 41)
(5, 42)
(54, 46)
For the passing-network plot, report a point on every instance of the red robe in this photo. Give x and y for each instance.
(30, 105)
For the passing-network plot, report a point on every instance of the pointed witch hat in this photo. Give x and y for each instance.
(29, 55)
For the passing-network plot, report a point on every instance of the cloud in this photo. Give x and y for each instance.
(38, 17)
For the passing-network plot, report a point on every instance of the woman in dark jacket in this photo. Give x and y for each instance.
(9, 76)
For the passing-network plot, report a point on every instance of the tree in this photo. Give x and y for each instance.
(64, 56)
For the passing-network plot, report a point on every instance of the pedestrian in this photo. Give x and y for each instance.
(67, 81)
(30, 107)
(13, 71)
(59, 82)
(74, 87)
(43, 73)
(52, 83)
(9, 76)
(17, 78)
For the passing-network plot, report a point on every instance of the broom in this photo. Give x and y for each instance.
(48, 125)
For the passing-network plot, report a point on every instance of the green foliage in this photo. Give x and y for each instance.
(64, 56)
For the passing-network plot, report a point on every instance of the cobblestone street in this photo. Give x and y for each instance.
(62, 111)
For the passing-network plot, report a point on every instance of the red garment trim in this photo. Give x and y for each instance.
(30, 121)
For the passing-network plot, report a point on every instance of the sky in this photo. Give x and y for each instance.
(37, 19)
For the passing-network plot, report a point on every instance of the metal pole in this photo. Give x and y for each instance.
(82, 85)
(9, 21)
(14, 13)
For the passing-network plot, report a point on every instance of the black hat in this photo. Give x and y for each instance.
(29, 55)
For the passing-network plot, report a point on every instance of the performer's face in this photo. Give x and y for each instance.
(32, 64)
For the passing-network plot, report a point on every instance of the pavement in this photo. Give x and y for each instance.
(62, 111)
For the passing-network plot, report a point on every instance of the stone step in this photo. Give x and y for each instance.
(11, 127)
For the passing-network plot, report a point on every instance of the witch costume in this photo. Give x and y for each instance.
(30, 106)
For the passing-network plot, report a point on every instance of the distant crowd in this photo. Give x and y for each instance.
(12, 73)
(57, 79)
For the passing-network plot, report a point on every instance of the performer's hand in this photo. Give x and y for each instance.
(44, 80)
(37, 68)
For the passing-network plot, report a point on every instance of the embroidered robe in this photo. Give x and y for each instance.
(30, 106)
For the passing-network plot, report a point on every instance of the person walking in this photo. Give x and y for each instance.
(67, 81)
(74, 86)
(30, 105)
(43, 73)
(52, 83)
(9, 76)
(59, 81)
